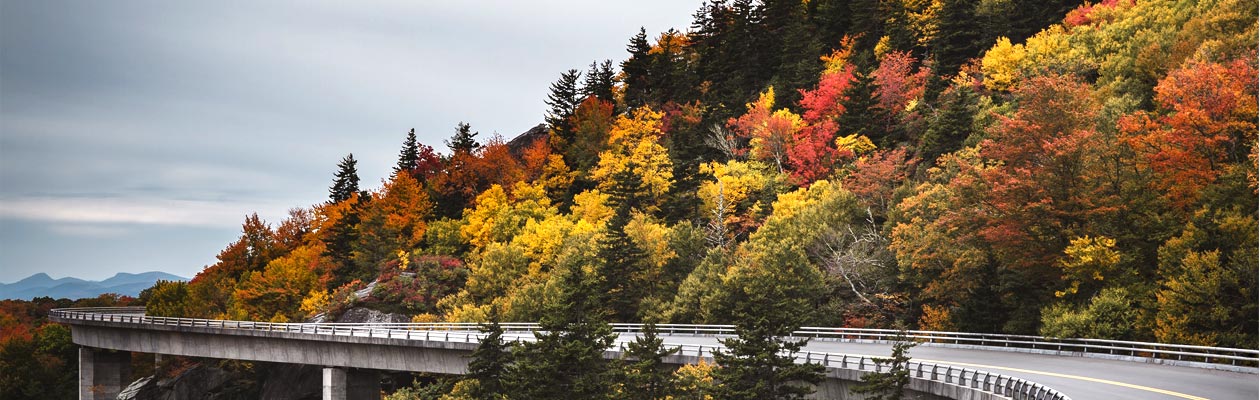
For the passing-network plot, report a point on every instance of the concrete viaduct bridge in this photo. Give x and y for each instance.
(946, 365)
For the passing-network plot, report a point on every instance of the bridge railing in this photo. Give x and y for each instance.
(1014, 388)
(1205, 354)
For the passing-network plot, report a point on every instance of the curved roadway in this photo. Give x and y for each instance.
(1079, 378)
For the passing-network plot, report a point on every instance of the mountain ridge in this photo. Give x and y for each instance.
(123, 283)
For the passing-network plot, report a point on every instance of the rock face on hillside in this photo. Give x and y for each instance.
(526, 139)
(365, 315)
(207, 382)
(198, 382)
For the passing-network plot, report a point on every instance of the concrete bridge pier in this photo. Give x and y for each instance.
(102, 373)
(351, 384)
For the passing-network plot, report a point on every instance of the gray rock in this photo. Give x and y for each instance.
(199, 382)
(365, 315)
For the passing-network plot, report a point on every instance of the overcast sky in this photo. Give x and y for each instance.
(137, 135)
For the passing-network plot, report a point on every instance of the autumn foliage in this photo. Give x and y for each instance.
(1061, 173)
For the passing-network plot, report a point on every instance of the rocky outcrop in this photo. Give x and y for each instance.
(198, 382)
(367, 315)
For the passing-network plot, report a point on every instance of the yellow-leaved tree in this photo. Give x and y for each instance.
(634, 145)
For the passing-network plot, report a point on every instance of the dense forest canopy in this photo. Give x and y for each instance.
(993, 166)
(1064, 168)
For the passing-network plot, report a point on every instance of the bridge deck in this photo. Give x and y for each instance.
(1079, 378)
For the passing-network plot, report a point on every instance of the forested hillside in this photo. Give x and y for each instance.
(1060, 168)
(1034, 167)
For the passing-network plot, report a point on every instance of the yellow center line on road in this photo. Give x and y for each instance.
(1083, 378)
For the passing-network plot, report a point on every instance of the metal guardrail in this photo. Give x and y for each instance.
(1213, 355)
(1015, 388)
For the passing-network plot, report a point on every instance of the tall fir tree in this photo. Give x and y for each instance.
(635, 70)
(831, 19)
(409, 156)
(889, 384)
(958, 36)
(862, 114)
(647, 377)
(346, 183)
(866, 27)
(599, 81)
(490, 362)
(564, 98)
(464, 141)
(760, 362)
(621, 259)
(341, 237)
(950, 125)
(566, 359)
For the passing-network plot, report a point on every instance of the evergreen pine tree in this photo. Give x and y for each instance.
(621, 259)
(599, 81)
(798, 64)
(890, 383)
(409, 156)
(563, 100)
(490, 361)
(831, 18)
(862, 115)
(341, 237)
(635, 69)
(464, 141)
(647, 377)
(950, 126)
(760, 362)
(347, 182)
(866, 27)
(958, 36)
(566, 360)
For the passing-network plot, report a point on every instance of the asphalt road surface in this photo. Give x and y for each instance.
(1078, 377)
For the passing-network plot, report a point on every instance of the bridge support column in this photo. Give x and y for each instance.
(351, 384)
(102, 373)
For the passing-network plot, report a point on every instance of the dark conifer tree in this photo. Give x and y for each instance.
(798, 64)
(670, 74)
(831, 18)
(599, 81)
(647, 377)
(958, 36)
(464, 141)
(950, 126)
(490, 361)
(409, 156)
(346, 183)
(564, 98)
(339, 241)
(621, 259)
(862, 114)
(866, 27)
(891, 383)
(566, 360)
(760, 362)
(635, 70)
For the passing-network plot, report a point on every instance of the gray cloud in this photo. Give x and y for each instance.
(124, 120)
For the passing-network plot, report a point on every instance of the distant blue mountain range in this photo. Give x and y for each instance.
(40, 285)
